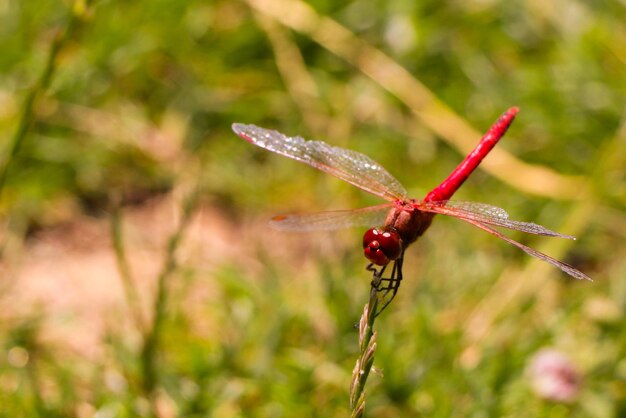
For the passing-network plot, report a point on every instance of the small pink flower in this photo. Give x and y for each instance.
(554, 377)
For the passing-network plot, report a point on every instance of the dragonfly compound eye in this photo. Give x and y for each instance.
(381, 246)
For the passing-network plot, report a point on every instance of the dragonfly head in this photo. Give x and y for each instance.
(381, 246)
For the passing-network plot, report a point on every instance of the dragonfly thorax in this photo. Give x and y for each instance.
(408, 220)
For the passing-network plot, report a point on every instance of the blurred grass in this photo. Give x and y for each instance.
(140, 106)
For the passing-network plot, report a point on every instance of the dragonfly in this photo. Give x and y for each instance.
(401, 220)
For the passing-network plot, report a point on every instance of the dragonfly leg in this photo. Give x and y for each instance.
(386, 287)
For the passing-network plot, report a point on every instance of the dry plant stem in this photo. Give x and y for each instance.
(367, 345)
(433, 113)
(153, 334)
(130, 289)
(296, 75)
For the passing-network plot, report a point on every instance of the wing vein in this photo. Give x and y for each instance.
(351, 166)
(531, 251)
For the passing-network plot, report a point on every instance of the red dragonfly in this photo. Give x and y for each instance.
(403, 220)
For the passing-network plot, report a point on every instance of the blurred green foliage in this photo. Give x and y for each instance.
(140, 104)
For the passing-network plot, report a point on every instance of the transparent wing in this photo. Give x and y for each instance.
(351, 166)
(327, 221)
(563, 266)
(486, 214)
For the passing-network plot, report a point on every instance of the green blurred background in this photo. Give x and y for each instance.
(130, 195)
